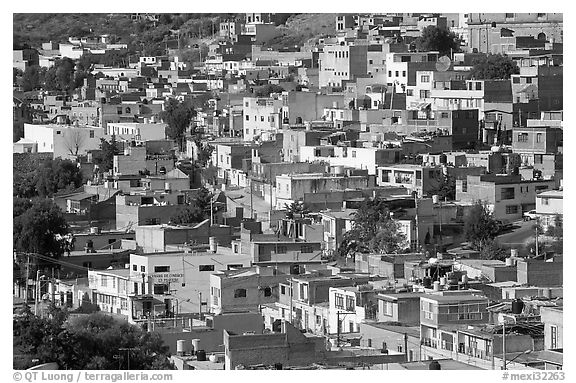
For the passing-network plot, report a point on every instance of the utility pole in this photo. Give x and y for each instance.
(200, 304)
(504, 344)
(536, 251)
(416, 221)
(251, 202)
(406, 346)
(37, 291)
(291, 295)
(337, 328)
(128, 349)
(27, 277)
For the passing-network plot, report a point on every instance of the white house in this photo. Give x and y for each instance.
(64, 141)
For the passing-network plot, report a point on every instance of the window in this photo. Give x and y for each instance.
(424, 94)
(267, 291)
(464, 186)
(135, 267)
(538, 158)
(103, 281)
(306, 249)
(339, 301)
(283, 290)
(349, 303)
(143, 269)
(206, 268)
(397, 73)
(161, 269)
(516, 80)
(545, 201)
(281, 249)
(261, 118)
(444, 115)
(353, 153)
(91, 134)
(58, 132)
(409, 92)
(553, 337)
(538, 137)
(507, 193)
(478, 86)
(370, 62)
(522, 137)
(424, 78)
(403, 73)
(160, 288)
(528, 80)
(512, 209)
(247, 118)
(240, 293)
(389, 75)
(509, 15)
(233, 266)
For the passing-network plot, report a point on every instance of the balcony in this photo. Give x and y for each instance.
(429, 342)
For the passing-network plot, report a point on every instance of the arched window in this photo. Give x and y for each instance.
(541, 36)
(267, 292)
(240, 293)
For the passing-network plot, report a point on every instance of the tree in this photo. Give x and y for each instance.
(480, 227)
(74, 141)
(56, 175)
(92, 341)
(31, 78)
(438, 39)
(266, 90)
(494, 67)
(445, 189)
(39, 228)
(197, 211)
(295, 209)
(178, 117)
(373, 230)
(491, 250)
(108, 151)
(204, 153)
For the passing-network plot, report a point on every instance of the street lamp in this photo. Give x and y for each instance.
(513, 359)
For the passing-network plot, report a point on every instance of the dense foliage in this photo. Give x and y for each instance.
(196, 211)
(178, 116)
(438, 40)
(499, 67)
(86, 342)
(38, 226)
(373, 230)
(480, 227)
(39, 176)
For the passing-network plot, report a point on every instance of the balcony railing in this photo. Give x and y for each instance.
(429, 342)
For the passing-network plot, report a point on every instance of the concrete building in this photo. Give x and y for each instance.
(179, 280)
(64, 141)
(552, 317)
(161, 238)
(507, 196)
(355, 157)
(262, 116)
(402, 67)
(533, 272)
(111, 290)
(399, 307)
(485, 29)
(549, 205)
(415, 178)
(137, 131)
(156, 157)
(244, 289)
(349, 306)
(292, 188)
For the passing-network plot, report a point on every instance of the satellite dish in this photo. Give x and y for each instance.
(443, 64)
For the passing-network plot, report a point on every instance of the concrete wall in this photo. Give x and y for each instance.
(540, 273)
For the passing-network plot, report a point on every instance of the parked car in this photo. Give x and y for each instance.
(530, 215)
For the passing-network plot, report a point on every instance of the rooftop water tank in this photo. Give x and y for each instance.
(183, 347)
(517, 306)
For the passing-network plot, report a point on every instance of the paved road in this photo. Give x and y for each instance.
(523, 234)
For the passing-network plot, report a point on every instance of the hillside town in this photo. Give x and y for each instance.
(291, 191)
